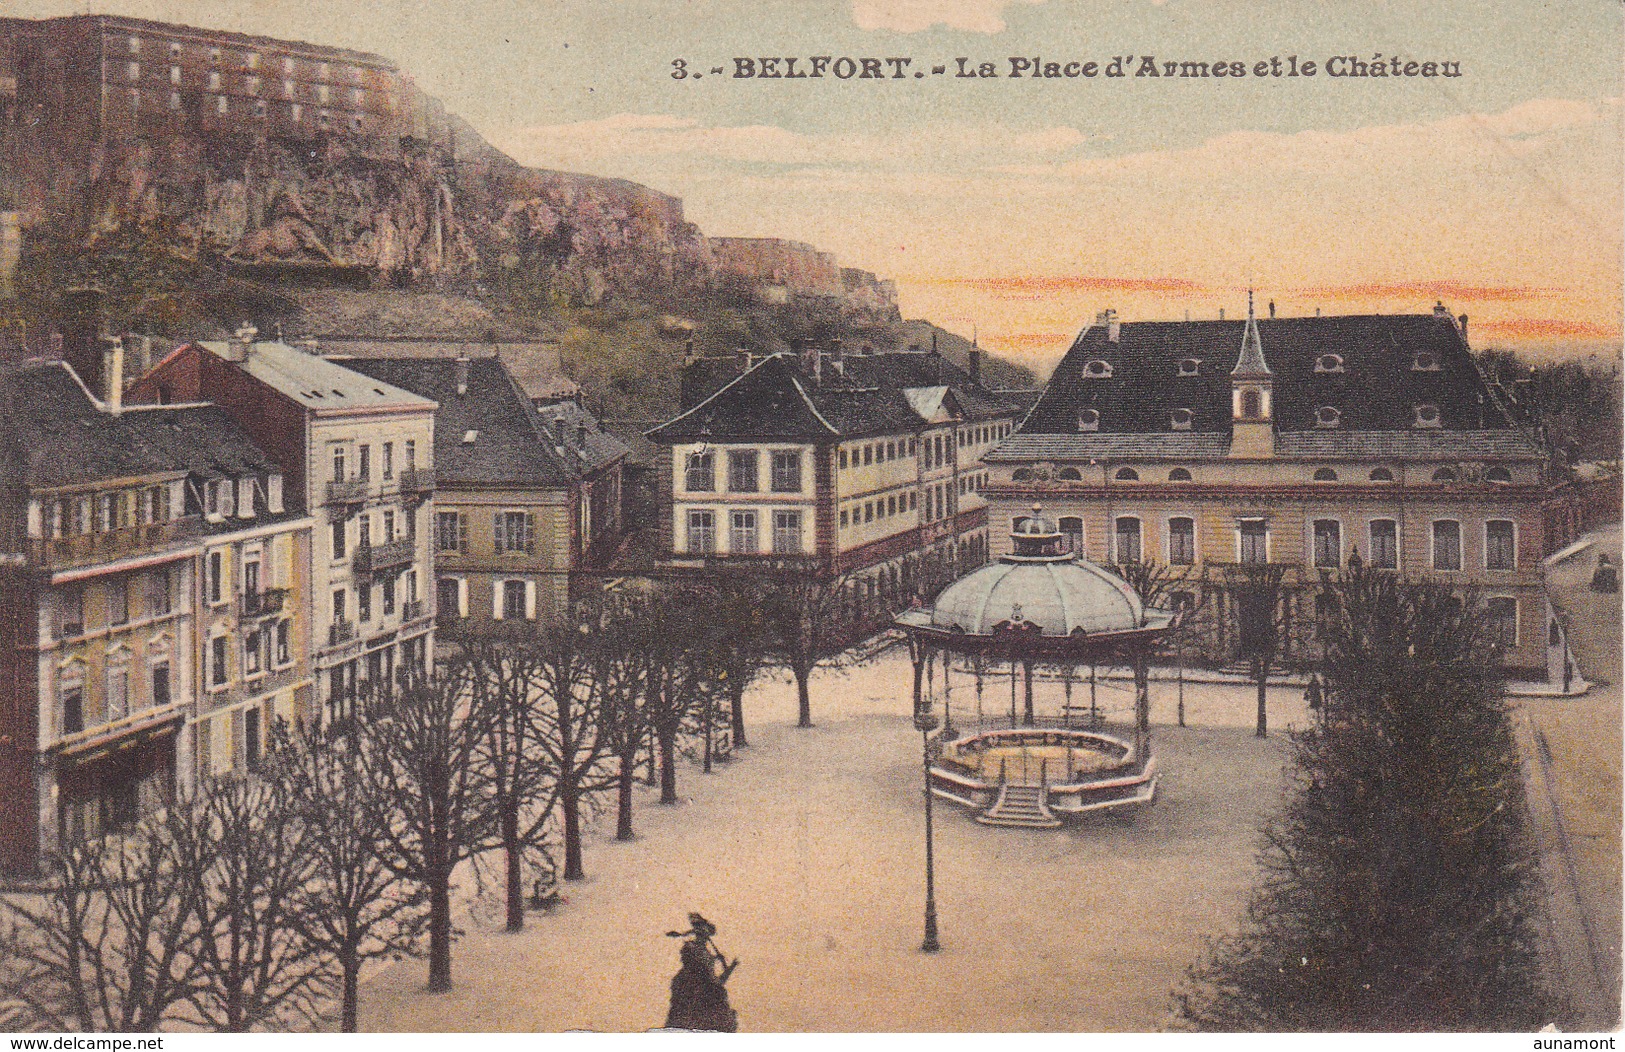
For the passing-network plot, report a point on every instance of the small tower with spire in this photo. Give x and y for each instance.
(1252, 408)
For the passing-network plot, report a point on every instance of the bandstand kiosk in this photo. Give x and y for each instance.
(1039, 605)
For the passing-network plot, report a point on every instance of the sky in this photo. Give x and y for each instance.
(1017, 208)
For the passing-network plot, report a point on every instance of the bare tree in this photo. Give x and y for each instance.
(424, 755)
(358, 908)
(802, 614)
(741, 647)
(619, 671)
(571, 724)
(1256, 592)
(109, 943)
(244, 845)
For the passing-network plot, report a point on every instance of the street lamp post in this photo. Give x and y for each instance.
(926, 721)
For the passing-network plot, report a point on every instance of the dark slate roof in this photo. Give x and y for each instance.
(781, 397)
(1416, 444)
(66, 439)
(511, 448)
(1377, 391)
(1181, 445)
(581, 435)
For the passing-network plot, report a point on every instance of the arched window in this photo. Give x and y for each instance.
(1098, 369)
(1328, 416)
(1427, 415)
(1072, 528)
(1088, 420)
(1445, 475)
(1381, 475)
(1498, 474)
(1181, 419)
(1325, 475)
(1329, 363)
(1190, 366)
(1127, 475)
(1128, 539)
(1179, 475)
(1251, 404)
(1023, 475)
(1070, 475)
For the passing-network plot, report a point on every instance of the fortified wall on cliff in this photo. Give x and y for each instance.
(298, 160)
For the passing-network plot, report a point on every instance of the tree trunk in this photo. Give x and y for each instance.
(803, 694)
(668, 766)
(623, 805)
(515, 856)
(440, 932)
(1260, 676)
(350, 962)
(737, 692)
(1027, 679)
(570, 806)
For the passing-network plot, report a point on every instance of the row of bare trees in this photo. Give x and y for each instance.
(259, 900)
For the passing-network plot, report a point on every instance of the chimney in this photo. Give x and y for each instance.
(11, 252)
(113, 370)
(1462, 322)
(1221, 313)
(461, 371)
(746, 359)
(311, 346)
(1317, 312)
(245, 335)
(1438, 309)
(1114, 328)
(975, 366)
(1272, 308)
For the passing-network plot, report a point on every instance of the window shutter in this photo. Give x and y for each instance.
(499, 531)
(462, 534)
(496, 599)
(530, 531)
(462, 597)
(530, 600)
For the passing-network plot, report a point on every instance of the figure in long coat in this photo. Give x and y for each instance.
(699, 992)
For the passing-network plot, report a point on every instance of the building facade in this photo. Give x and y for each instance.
(864, 467)
(119, 648)
(360, 453)
(1298, 441)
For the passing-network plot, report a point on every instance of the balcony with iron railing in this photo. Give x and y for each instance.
(340, 632)
(266, 603)
(86, 549)
(348, 491)
(411, 610)
(379, 558)
(417, 480)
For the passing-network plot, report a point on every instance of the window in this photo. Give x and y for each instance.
(364, 531)
(702, 532)
(222, 104)
(296, 113)
(389, 460)
(135, 45)
(363, 600)
(1500, 550)
(1181, 419)
(513, 532)
(1446, 544)
(843, 460)
(411, 454)
(1325, 475)
(787, 533)
(337, 539)
(1127, 475)
(1181, 541)
(251, 738)
(1097, 369)
(869, 512)
(217, 578)
(1128, 539)
(868, 455)
(73, 709)
(1381, 475)
(251, 653)
(1022, 475)
(160, 684)
(1179, 475)
(1427, 415)
(700, 474)
(118, 692)
(891, 504)
(1501, 620)
(389, 525)
(1072, 529)
(1445, 475)
(1328, 417)
(513, 600)
(1384, 545)
(846, 518)
(364, 461)
(1328, 544)
(449, 597)
(338, 463)
(1498, 475)
(450, 533)
(1251, 404)
(219, 655)
(1069, 475)
(283, 654)
(742, 533)
(175, 75)
(1254, 535)
(389, 595)
(339, 597)
(786, 471)
(1425, 362)
(134, 71)
(742, 471)
(118, 601)
(1190, 366)
(251, 576)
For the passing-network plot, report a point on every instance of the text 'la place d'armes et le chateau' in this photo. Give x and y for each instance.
(1037, 67)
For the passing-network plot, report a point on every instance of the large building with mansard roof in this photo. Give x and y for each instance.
(1302, 441)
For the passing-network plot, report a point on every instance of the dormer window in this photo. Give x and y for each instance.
(1498, 475)
(1180, 419)
(1381, 475)
(1445, 475)
(1190, 366)
(1179, 475)
(1069, 475)
(1127, 475)
(1098, 369)
(1425, 362)
(1325, 475)
(1329, 363)
(1427, 415)
(1088, 420)
(1328, 416)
